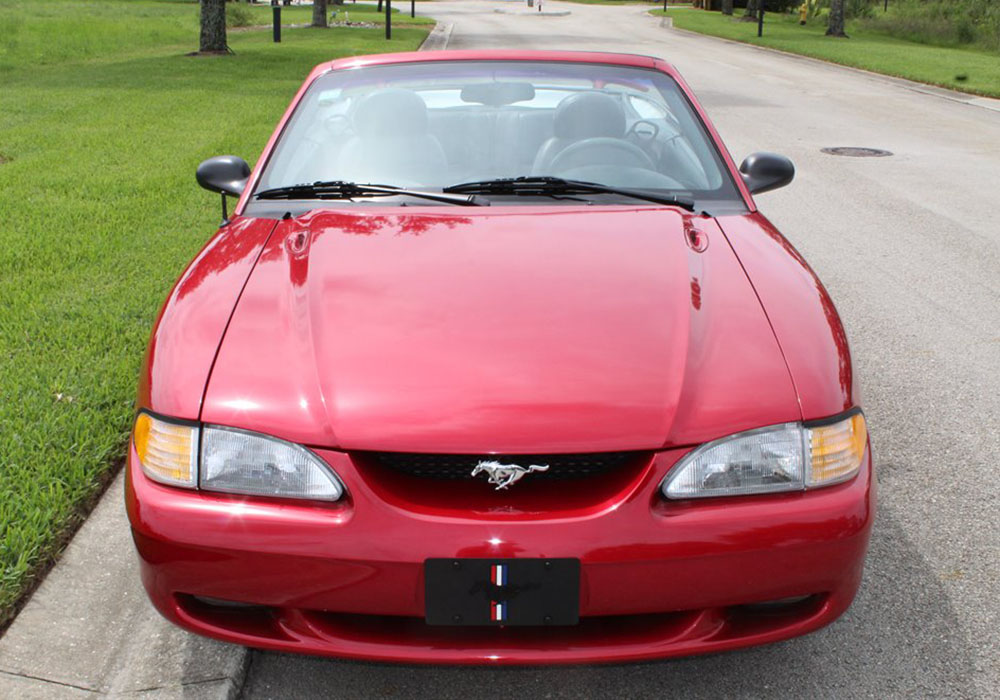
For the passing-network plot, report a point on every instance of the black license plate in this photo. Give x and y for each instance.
(515, 592)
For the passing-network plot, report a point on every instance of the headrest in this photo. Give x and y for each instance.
(390, 113)
(585, 115)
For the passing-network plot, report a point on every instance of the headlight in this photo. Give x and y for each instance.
(238, 461)
(231, 460)
(787, 457)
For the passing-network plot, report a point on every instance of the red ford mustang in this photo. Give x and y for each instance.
(496, 361)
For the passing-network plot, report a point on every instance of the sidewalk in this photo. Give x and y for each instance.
(89, 630)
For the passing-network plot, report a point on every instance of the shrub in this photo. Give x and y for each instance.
(781, 5)
(858, 9)
(238, 15)
(942, 22)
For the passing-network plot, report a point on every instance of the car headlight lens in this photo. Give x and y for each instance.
(786, 457)
(168, 451)
(237, 461)
(231, 460)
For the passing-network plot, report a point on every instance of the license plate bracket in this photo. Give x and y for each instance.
(502, 592)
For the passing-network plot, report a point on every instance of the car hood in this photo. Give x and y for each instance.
(505, 330)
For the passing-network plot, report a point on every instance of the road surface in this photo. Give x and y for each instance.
(908, 247)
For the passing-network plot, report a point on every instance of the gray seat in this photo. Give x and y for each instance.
(392, 144)
(580, 117)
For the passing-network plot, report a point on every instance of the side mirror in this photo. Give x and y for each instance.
(763, 172)
(225, 175)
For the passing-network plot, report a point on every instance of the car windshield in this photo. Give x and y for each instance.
(431, 125)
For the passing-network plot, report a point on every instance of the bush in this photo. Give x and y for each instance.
(859, 9)
(771, 5)
(782, 5)
(942, 22)
(238, 15)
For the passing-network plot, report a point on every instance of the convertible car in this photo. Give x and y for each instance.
(495, 361)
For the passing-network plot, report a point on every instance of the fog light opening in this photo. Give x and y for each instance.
(780, 605)
(228, 604)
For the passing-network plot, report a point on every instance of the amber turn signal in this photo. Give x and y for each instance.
(167, 451)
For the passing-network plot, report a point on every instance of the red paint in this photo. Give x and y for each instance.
(639, 556)
(478, 332)
(190, 325)
(517, 329)
(802, 314)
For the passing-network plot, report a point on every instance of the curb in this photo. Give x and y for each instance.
(966, 98)
(438, 39)
(533, 13)
(89, 630)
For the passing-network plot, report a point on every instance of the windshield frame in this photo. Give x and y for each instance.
(738, 200)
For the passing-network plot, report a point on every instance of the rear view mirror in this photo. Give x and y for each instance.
(225, 175)
(763, 172)
(498, 94)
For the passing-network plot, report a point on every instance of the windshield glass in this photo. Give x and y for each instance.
(429, 125)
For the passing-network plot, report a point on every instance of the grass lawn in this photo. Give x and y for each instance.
(865, 49)
(102, 122)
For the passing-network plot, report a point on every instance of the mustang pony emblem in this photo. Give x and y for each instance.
(503, 475)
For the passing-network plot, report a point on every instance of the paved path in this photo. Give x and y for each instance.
(908, 246)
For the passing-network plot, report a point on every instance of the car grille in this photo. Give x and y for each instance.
(455, 467)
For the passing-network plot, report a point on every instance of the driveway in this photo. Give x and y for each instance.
(908, 246)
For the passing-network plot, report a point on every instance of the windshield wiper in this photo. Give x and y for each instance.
(545, 186)
(339, 189)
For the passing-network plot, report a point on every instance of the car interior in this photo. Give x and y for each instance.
(477, 131)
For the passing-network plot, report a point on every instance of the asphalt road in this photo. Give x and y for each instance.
(909, 247)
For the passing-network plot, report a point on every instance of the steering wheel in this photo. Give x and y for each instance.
(601, 150)
(647, 134)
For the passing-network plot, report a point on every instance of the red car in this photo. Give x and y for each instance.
(496, 361)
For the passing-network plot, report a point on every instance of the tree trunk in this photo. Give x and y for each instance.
(319, 13)
(751, 11)
(727, 7)
(213, 25)
(379, 6)
(836, 24)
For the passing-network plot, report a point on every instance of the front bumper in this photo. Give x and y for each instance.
(658, 579)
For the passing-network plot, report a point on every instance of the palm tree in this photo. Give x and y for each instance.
(319, 13)
(835, 27)
(213, 26)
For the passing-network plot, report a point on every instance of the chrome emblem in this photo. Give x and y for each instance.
(503, 475)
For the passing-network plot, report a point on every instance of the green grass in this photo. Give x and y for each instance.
(866, 49)
(102, 122)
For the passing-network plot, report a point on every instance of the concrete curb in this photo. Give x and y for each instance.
(437, 40)
(89, 631)
(967, 98)
(533, 13)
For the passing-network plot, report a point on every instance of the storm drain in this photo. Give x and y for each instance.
(856, 152)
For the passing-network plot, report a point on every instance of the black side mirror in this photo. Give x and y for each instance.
(225, 175)
(763, 172)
